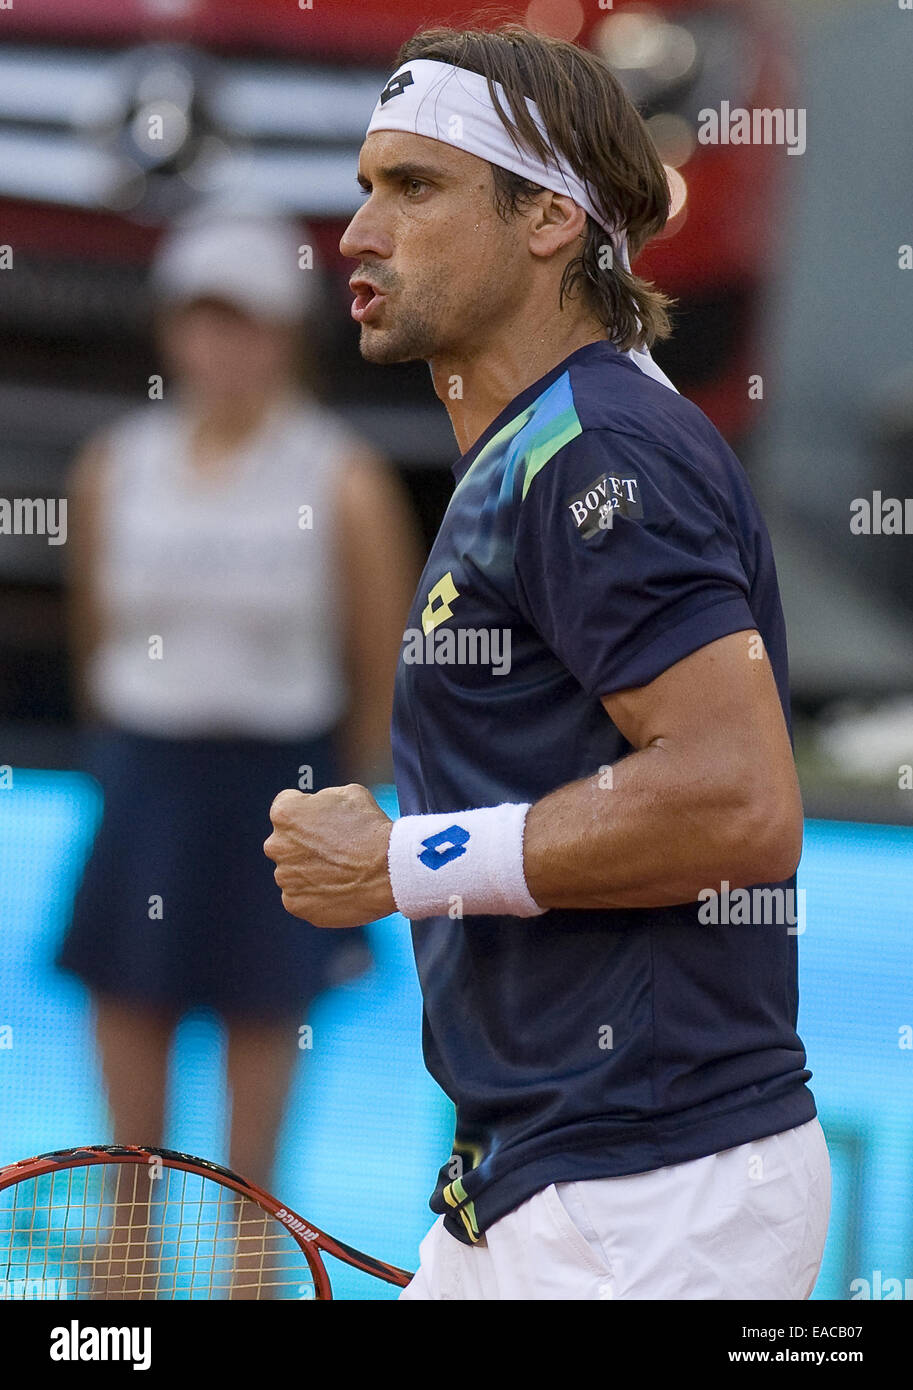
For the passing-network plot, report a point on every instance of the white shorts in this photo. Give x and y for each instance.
(749, 1223)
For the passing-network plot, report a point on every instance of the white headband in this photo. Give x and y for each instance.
(451, 104)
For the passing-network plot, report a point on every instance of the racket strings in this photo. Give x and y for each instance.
(132, 1231)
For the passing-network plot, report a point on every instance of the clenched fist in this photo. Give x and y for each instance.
(330, 851)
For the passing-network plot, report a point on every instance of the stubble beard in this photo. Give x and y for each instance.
(418, 331)
(445, 326)
(411, 339)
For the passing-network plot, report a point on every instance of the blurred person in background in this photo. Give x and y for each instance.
(224, 538)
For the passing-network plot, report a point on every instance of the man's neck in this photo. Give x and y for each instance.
(476, 387)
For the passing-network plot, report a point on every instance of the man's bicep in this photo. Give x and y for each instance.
(717, 716)
(724, 694)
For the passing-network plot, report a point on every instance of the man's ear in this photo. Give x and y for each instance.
(557, 221)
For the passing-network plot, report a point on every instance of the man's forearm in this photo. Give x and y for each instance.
(653, 831)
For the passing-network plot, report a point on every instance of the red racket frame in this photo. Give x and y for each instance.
(309, 1238)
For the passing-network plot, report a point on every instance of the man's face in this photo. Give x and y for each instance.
(429, 241)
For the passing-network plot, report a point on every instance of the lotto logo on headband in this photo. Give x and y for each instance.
(454, 837)
(396, 86)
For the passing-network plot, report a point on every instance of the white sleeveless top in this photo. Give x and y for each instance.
(232, 572)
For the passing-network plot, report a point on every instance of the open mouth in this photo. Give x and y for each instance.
(366, 303)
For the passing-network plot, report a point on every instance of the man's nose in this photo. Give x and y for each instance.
(364, 236)
(352, 242)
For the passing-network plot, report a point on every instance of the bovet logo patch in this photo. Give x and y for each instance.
(610, 495)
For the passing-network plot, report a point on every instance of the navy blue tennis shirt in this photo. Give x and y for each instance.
(600, 531)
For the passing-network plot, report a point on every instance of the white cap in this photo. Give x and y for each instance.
(248, 259)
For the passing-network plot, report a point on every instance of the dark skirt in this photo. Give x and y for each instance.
(178, 908)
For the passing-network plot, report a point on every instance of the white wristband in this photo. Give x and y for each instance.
(471, 861)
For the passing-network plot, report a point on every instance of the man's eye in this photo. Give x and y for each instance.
(413, 185)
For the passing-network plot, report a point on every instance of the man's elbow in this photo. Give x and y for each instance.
(783, 854)
(767, 843)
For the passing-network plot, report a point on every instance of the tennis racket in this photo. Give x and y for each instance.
(129, 1222)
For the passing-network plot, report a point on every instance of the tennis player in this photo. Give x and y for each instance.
(591, 729)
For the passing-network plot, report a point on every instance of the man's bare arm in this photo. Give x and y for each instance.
(709, 792)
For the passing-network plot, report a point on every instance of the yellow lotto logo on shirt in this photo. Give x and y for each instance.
(443, 593)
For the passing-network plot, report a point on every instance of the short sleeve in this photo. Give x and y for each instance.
(626, 560)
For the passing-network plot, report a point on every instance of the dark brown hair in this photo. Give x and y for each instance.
(592, 123)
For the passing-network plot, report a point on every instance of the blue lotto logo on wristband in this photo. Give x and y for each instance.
(461, 864)
(435, 856)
